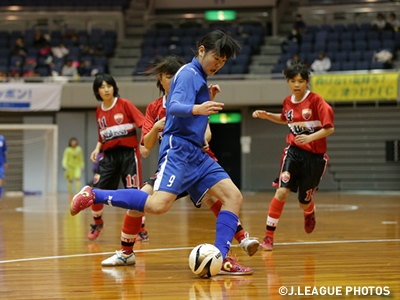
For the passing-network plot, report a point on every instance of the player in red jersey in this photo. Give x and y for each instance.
(117, 120)
(304, 160)
(151, 134)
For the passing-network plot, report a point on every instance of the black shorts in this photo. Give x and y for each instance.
(121, 163)
(302, 170)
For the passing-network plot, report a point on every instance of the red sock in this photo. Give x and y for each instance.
(310, 209)
(97, 211)
(130, 229)
(240, 232)
(216, 207)
(274, 213)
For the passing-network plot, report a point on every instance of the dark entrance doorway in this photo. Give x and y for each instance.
(225, 143)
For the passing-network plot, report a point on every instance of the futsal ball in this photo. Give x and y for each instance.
(205, 260)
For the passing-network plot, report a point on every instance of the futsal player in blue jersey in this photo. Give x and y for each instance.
(183, 166)
(3, 162)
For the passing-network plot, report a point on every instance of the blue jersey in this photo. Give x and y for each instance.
(188, 87)
(182, 165)
(3, 150)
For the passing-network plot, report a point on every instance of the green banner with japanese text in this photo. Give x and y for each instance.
(356, 87)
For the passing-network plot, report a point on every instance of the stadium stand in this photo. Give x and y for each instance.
(350, 47)
(343, 42)
(159, 42)
(87, 45)
(99, 44)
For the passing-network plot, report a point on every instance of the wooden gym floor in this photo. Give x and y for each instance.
(354, 252)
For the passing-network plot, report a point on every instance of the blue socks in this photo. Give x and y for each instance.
(128, 198)
(226, 228)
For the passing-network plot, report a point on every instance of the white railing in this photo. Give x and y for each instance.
(65, 79)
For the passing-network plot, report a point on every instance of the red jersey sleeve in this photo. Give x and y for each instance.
(136, 114)
(150, 119)
(325, 113)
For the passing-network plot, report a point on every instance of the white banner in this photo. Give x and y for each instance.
(30, 96)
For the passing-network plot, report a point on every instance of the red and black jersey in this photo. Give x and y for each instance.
(305, 117)
(155, 111)
(117, 124)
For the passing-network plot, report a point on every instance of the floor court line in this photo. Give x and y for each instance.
(189, 248)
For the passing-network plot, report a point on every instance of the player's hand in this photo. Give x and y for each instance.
(214, 89)
(144, 152)
(5, 166)
(206, 147)
(261, 114)
(208, 108)
(94, 154)
(160, 124)
(303, 139)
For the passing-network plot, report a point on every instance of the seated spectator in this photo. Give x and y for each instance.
(293, 37)
(394, 22)
(322, 64)
(45, 52)
(40, 41)
(293, 60)
(68, 69)
(19, 48)
(379, 23)
(384, 56)
(75, 41)
(87, 51)
(60, 51)
(71, 38)
(84, 69)
(299, 24)
(99, 51)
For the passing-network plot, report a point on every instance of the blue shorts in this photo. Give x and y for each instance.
(1, 171)
(185, 167)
